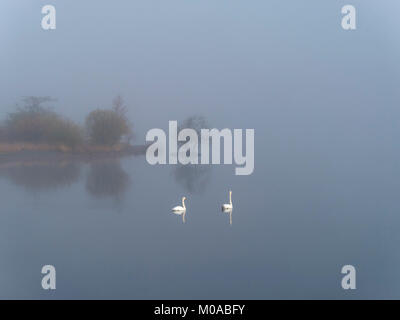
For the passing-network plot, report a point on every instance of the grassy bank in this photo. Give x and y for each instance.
(15, 148)
(18, 147)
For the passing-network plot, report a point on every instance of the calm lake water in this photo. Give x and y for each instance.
(309, 208)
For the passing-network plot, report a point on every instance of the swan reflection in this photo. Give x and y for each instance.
(228, 211)
(181, 213)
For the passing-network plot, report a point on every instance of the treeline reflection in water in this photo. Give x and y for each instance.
(104, 178)
(107, 179)
(41, 176)
(193, 178)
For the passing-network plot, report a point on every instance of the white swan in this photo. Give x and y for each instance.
(228, 206)
(180, 209)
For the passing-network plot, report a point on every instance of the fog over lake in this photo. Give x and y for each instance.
(325, 107)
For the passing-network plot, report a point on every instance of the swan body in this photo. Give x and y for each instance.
(228, 206)
(180, 209)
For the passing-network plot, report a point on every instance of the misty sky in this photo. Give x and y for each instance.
(171, 59)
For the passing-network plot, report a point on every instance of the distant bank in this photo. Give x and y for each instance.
(20, 152)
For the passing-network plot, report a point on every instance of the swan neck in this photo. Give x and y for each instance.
(183, 203)
(230, 198)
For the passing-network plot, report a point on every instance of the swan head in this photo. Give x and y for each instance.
(183, 198)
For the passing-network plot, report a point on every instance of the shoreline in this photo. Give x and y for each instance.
(21, 153)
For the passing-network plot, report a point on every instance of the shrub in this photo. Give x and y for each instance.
(2, 133)
(36, 124)
(106, 127)
(65, 132)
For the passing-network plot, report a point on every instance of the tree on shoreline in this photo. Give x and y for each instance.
(35, 123)
(108, 126)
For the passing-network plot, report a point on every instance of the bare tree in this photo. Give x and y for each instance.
(119, 106)
(34, 102)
